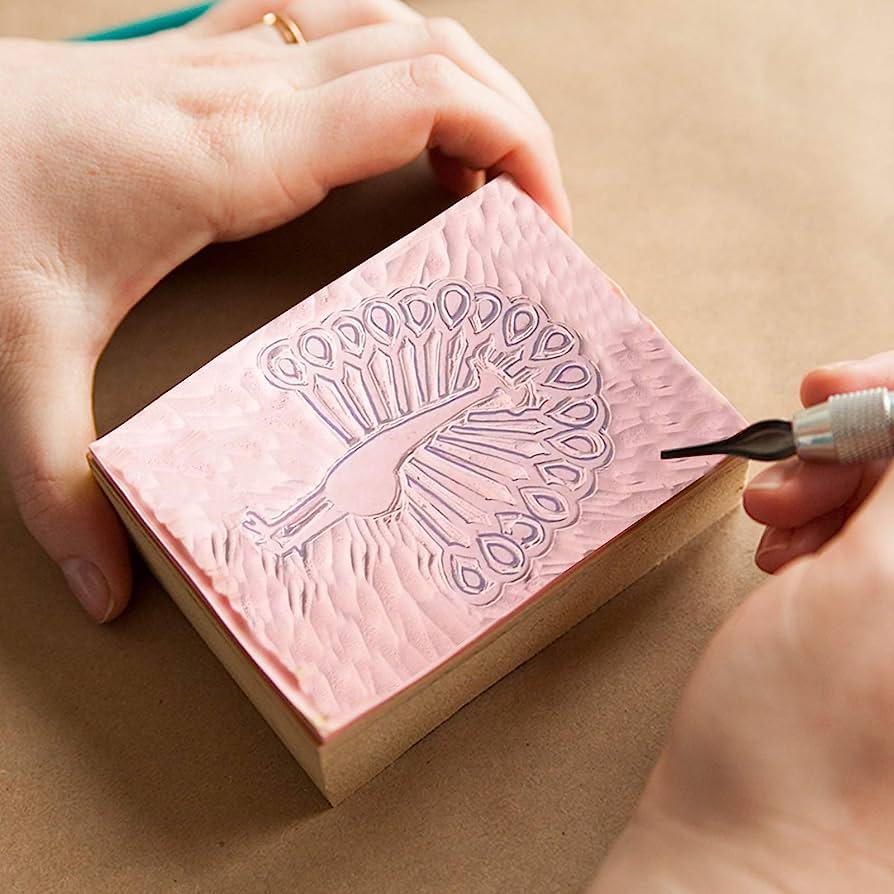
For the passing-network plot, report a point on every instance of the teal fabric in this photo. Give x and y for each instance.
(150, 26)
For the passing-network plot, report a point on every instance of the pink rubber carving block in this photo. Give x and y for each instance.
(391, 495)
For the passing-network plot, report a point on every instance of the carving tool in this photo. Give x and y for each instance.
(854, 427)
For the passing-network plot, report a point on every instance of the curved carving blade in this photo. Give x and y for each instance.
(769, 440)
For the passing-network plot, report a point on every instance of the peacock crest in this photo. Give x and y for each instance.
(469, 413)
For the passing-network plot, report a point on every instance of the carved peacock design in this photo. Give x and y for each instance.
(469, 413)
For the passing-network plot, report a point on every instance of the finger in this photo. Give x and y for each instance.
(401, 109)
(48, 424)
(348, 51)
(316, 18)
(345, 51)
(791, 493)
(872, 372)
(779, 546)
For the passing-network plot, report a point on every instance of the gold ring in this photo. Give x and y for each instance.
(285, 27)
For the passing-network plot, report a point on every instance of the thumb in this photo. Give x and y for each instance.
(853, 375)
(49, 423)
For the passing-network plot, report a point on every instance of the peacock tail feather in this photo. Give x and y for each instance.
(469, 413)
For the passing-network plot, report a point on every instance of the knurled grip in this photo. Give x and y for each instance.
(862, 424)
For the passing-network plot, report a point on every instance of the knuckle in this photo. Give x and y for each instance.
(210, 133)
(221, 119)
(229, 51)
(431, 73)
(232, 129)
(446, 34)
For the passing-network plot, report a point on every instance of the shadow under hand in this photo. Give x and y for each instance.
(229, 290)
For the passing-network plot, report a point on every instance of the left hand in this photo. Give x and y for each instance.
(118, 161)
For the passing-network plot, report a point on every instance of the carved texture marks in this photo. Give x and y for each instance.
(385, 472)
(470, 414)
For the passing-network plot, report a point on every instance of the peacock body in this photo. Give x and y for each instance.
(470, 414)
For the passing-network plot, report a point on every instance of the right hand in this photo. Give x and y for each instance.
(120, 160)
(778, 773)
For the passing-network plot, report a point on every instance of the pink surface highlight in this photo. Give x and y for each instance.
(392, 468)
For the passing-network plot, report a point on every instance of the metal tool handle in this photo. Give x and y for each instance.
(847, 428)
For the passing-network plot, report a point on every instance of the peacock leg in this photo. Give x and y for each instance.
(292, 530)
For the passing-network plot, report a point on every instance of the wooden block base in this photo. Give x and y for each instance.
(356, 754)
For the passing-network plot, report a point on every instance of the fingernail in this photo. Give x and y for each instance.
(90, 587)
(774, 540)
(770, 479)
